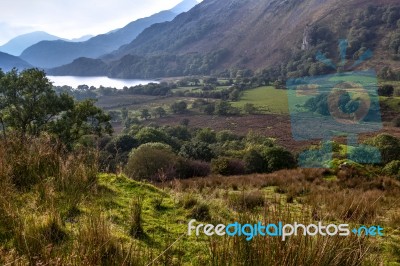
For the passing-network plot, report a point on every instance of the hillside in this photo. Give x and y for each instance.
(217, 35)
(18, 44)
(8, 62)
(49, 54)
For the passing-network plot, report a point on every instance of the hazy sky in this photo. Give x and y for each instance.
(73, 18)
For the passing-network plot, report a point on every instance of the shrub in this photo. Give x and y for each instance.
(226, 135)
(206, 135)
(388, 145)
(151, 161)
(278, 158)
(393, 168)
(227, 166)
(254, 162)
(189, 168)
(179, 107)
(365, 154)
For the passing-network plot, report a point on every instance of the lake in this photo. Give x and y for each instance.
(75, 81)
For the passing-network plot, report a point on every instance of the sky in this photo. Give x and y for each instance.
(73, 18)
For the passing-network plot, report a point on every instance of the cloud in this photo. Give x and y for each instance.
(73, 18)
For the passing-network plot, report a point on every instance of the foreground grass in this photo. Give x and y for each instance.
(57, 210)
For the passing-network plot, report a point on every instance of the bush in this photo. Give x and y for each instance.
(206, 135)
(151, 161)
(254, 162)
(227, 166)
(179, 107)
(388, 145)
(278, 158)
(393, 169)
(189, 168)
(365, 155)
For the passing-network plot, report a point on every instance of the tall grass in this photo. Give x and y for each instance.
(296, 250)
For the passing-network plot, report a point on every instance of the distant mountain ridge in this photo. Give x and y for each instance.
(18, 44)
(47, 54)
(8, 62)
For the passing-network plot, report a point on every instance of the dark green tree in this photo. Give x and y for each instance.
(278, 158)
(197, 150)
(160, 112)
(28, 102)
(145, 114)
(179, 107)
(83, 119)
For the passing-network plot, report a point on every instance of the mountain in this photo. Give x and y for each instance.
(18, 44)
(49, 54)
(8, 62)
(184, 6)
(82, 39)
(281, 37)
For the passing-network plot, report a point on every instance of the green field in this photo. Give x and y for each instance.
(268, 99)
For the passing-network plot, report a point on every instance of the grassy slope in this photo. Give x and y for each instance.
(267, 99)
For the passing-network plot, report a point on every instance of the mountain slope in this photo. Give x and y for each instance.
(8, 62)
(20, 43)
(184, 6)
(52, 54)
(217, 35)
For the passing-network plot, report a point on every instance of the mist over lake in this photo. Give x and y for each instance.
(75, 81)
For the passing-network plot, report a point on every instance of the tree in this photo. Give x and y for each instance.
(278, 158)
(83, 119)
(197, 150)
(150, 134)
(160, 111)
(223, 108)
(145, 114)
(206, 135)
(209, 109)
(179, 107)
(28, 102)
(234, 95)
(254, 162)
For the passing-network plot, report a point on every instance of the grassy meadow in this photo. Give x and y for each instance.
(56, 210)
